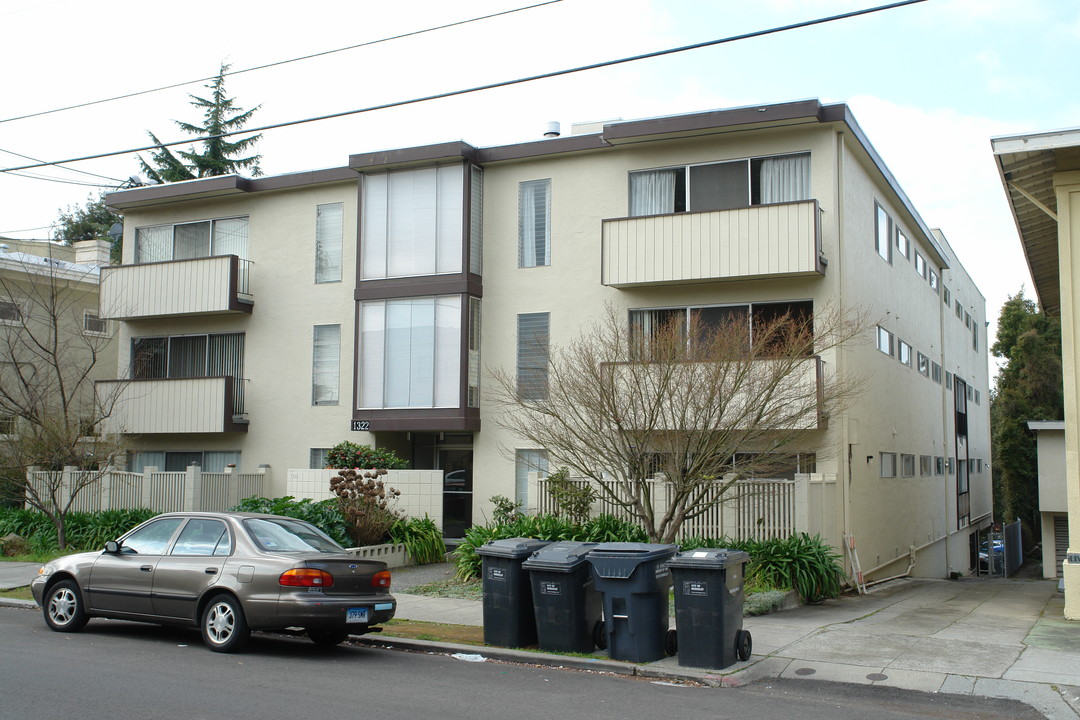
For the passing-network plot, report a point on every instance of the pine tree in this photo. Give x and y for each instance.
(91, 221)
(219, 154)
(1029, 387)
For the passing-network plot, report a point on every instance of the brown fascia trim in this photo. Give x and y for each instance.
(841, 113)
(419, 155)
(458, 284)
(711, 121)
(224, 185)
(433, 420)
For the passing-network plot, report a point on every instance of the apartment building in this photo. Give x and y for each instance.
(456, 260)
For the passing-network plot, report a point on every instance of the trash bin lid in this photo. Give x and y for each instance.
(619, 560)
(518, 547)
(715, 558)
(559, 556)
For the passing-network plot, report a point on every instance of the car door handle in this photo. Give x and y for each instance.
(147, 568)
(211, 571)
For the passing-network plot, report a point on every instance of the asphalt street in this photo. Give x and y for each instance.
(116, 669)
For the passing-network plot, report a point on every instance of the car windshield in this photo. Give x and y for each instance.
(283, 535)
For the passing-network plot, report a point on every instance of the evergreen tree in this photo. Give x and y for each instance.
(1029, 387)
(91, 221)
(219, 154)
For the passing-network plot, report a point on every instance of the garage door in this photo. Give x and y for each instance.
(1061, 540)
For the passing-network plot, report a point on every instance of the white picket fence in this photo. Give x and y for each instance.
(188, 490)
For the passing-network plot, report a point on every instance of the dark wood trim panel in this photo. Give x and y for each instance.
(421, 286)
(425, 420)
(406, 157)
(207, 188)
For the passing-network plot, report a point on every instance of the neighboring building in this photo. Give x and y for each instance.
(774, 208)
(1053, 498)
(1041, 176)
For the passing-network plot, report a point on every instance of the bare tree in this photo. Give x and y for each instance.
(52, 349)
(685, 407)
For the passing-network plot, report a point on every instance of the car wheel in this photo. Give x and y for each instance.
(671, 643)
(744, 644)
(64, 607)
(327, 638)
(224, 628)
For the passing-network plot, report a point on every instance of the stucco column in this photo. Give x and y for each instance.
(1067, 186)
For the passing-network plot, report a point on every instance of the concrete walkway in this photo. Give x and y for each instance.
(991, 638)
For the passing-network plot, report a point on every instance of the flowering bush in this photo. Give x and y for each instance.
(366, 503)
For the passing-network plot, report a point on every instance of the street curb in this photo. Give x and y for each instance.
(14, 602)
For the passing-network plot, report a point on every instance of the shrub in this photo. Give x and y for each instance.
(422, 539)
(506, 510)
(85, 531)
(573, 499)
(350, 455)
(323, 514)
(365, 502)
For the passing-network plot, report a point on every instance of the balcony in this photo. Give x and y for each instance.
(782, 240)
(174, 405)
(199, 286)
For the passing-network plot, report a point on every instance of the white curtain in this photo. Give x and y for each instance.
(325, 362)
(153, 244)
(329, 230)
(652, 192)
(534, 214)
(785, 179)
(231, 236)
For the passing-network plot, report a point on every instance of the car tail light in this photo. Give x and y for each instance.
(306, 577)
(381, 579)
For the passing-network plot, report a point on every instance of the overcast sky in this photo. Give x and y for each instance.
(930, 84)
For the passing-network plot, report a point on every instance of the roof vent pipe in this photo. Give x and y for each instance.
(552, 129)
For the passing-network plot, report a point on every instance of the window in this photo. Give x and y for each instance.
(935, 372)
(476, 221)
(932, 278)
(976, 397)
(7, 424)
(758, 323)
(413, 222)
(227, 236)
(975, 336)
(967, 320)
(10, 312)
(317, 458)
(888, 465)
(534, 223)
(93, 324)
(902, 244)
(884, 341)
(922, 364)
(920, 264)
(882, 231)
(473, 399)
(959, 310)
(329, 231)
(325, 364)
(948, 380)
(925, 465)
(951, 465)
(525, 462)
(939, 465)
(907, 465)
(410, 352)
(720, 186)
(533, 332)
(946, 296)
(192, 356)
(151, 539)
(202, 537)
(903, 353)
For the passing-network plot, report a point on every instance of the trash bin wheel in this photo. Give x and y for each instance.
(600, 635)
(744, 644)
(671, 643)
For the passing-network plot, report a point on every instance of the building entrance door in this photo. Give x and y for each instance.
(456, 463)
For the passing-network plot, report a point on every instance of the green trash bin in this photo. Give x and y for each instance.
(634, 582)
(508, 608)
(708, 585)
(565, 598)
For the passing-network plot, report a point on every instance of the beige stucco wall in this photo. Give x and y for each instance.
(284, 425)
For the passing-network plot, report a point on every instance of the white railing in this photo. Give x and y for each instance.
(187, 490)
(756, 509)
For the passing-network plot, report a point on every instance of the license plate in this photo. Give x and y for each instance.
(356, 615)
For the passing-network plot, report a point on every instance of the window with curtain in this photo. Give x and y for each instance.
(756, 323)
(476, 222)
(534, 223)
(325, 362)
(329, 231)
(473, 399)
(720, 186)
(183, 241)
(413, 222)
(410, 352)
(533, 335)
(185, 356)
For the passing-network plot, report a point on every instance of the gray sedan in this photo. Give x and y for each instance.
(226, 573)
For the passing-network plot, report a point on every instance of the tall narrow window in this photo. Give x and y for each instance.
(532, 355)
(882, 232)
(476, 222)
(325, 365)
(902, 244)
(884, 340)
(534, 223)
(527, 461)
(474, 352)
(329, 230)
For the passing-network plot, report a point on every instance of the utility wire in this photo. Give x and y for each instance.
(66, 182)
(489, 86)
(279, 62)
(81, 172)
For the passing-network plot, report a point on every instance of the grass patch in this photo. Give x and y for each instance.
(21, 593)
(39, 557)
(435, 632)
(451, 588)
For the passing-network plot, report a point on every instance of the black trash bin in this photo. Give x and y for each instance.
(565, 598)
(708, 586)
(508, 607)
(635, 583)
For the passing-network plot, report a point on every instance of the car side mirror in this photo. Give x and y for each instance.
(112, 547)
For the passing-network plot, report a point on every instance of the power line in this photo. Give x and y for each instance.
(73, 182)
(279, 62)
(489, 86)
(66, 182)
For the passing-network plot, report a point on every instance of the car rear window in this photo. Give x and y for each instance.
(283, 535)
